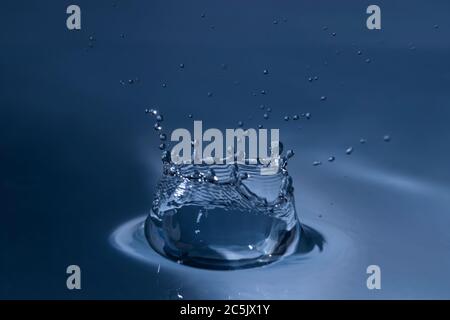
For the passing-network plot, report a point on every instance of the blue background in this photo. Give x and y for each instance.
(78, 156)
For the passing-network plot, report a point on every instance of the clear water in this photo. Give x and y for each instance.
(223, 216)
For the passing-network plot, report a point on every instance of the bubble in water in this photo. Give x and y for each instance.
(349, 150)
(387, 138)
(229, 195)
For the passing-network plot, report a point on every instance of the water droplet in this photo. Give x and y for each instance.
(157, 126)
(164, 85)
(269, 109)
(349, 150)
(131, 81)
(275, 21)
(181, 65)
(266, 116)
(317, 163)
(387, 138)
(324, 28)
(308, 115)
(310, 79)
(240, 123)
(290, 153)
(368, 60)
(203, 15)
(159, 118)
(209, 94)
(331, 159)
(261, 107)
(362, 140)
(197, 231)
(162, 146)
(265, 71)
(323, 98)
(190, 116)
(165, 156)
(359, 52)
(224, 66)
(162, 136)
(316, 78)
(250, 247)
(334, 34)
(263, 91)
(286, 118)
(295, 117)
(179, 296)
(91, 38)
(436, 26)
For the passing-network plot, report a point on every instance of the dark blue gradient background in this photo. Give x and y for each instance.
(78, 156)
